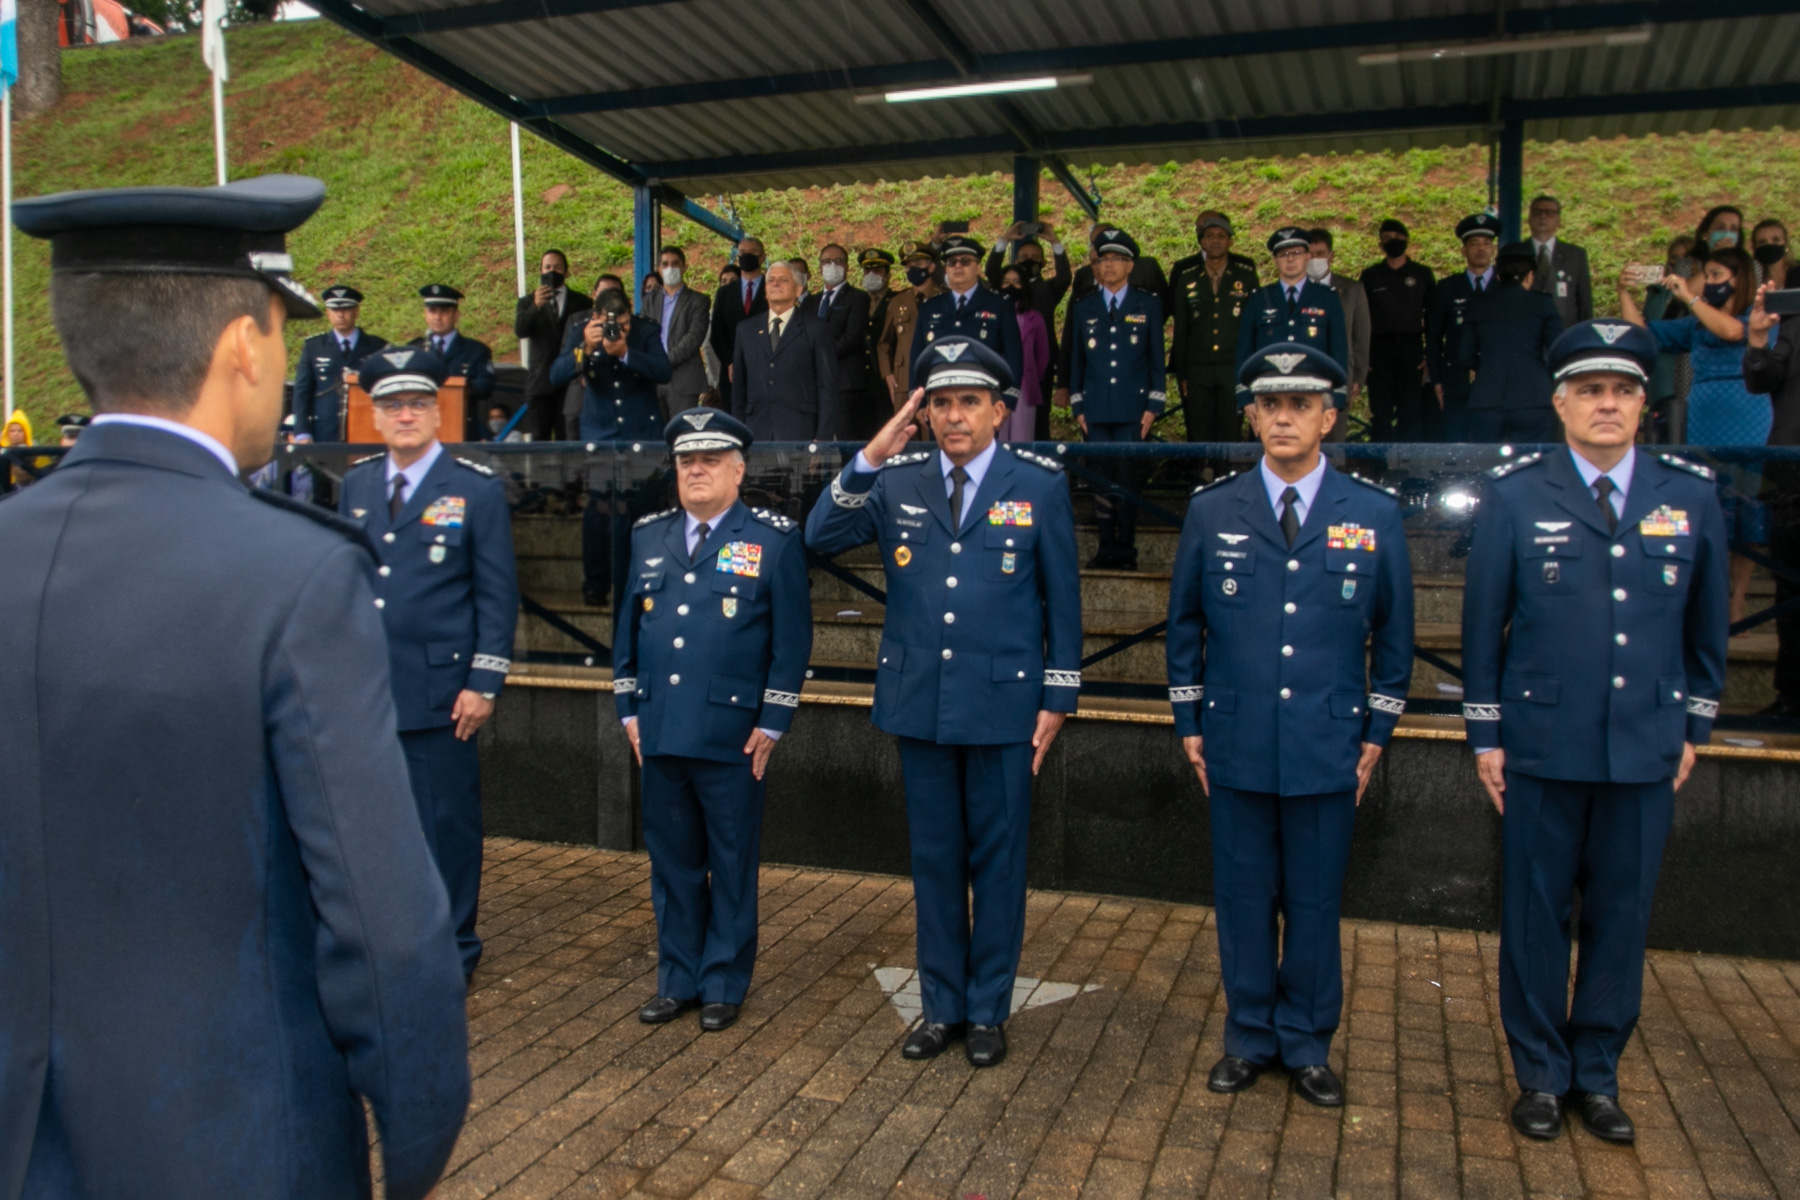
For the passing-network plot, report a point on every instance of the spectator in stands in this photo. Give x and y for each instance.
(17, 432)
(1042, 295)
(893, 349)
(1450, 301)
(1772, 365)
(541, 322)
(498, 418)
(1769, 246)
(70, 425)
(784, 369)
(1722, 228)
(1666, 393)
(1355, 301)
(877, 265)
(650, 294)
(845, 311)
(684, 315)
(1505, 341)
(735, 302)
(1559, 270)
(802, 275)
(1146, 276)
(1034, 341)
(1399, 292)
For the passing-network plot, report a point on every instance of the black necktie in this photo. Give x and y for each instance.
(344, 345)
(437, 344)
(1605, 487)
(1293, 295)
(398, 500)
(1290, 515)
(700, 532)
(962, 302)
(1480, 284)
(825, 302)
(958, 477)
(774, 333)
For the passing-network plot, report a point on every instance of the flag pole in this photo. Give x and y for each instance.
(6, 232)
(219, 115)
(519, 232)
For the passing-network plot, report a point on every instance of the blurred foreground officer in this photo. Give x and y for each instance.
(1609, 565)
(448, 591)
(980, 664)
(461, 355)
(1450, 308)
(707, 669)
(220, 928)
(319, 392)
(1285, 576)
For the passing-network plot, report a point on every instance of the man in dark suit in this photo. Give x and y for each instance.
(1450, 302)
(845, 311)
(1506, 343)
(734, 304)
(784, 369)
(319, 376)
(541, 321)
(1559, 270)
(683, 314)
(220, 926)
(463, 356)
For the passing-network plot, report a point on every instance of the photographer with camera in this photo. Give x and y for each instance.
(620, 360)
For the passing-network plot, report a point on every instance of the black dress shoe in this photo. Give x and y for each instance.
(664, 1009)
(1538, 1115)
(929, 1040)
(1318, 1085)
(1232, 1074)
(1603, 1117)
(714, 1017)
(986, 1046)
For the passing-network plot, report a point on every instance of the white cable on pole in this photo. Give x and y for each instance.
(519, 232)
(212, 53)
(219, 126)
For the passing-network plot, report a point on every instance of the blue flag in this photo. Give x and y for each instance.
(9, 42)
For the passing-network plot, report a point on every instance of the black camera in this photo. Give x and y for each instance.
(607, 311)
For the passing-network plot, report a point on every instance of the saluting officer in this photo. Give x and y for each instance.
(969, 308)
(707, 669)
(980, 662)
(1294, 309)
(1450, 302)
(319, 392)
(220, 929)
(1286, 574)
(1116, 381)
(448, 591)
(1208, 292)
(1594, 642)
(463, 356)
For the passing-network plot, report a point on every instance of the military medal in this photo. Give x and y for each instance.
(729, 604)
(1008, 562)
(741, 558)
(1670, 573)
(1312, 331)
(447, 512)
(649, 603)
(1665, 522)
(1349, 537)
(1092, 342)
(1010, 512)
(437, 554)
(902, 555)
(1229, 587)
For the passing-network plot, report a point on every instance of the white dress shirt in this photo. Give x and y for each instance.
(1307, 485)
(976, 467)
(205, 441)
(415, 474)
(1114, 299)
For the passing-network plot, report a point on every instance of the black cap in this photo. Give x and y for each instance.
(440, 293)
(1478, 225)
(1518, 252)
(958, 361)
(1115, 241)
(340, 296)
(74, 421)
(1393, 225)
(1288, 235)
(960, 243)
(700, 429)
(1603, 345)
(237, 231)
(401, 370)
(875, 256)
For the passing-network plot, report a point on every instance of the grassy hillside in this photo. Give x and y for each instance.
(420, 187)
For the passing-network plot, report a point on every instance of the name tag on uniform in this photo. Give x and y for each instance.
(1349, 537)
(741, 558)
(447, 512)
(1665, 522)
(1010, 512)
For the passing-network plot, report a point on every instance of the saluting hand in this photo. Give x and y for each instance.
(899, 430)
(1490, 768)
(470, 713)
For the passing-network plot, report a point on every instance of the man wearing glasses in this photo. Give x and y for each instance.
(448, 592)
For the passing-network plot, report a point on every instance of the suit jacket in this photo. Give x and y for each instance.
(1776, 371)
(1569, 283)
(688, 327)
(1355, 300)
(1450, 301)
(318, 382)
(221, 927)
(792, 394)
(475, 363)
(727, 314)
(848, 318)
(542, 330)
(1506, 342)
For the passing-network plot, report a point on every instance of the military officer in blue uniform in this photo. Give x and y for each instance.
(707, 667)
(1450, 301)
(1286, 576)
(1594, 642)
(969, 308)
(220, 929)
(980, 663)
(1293, 308)
(448, 591)
(463, 356)
(319, 391)
(1116, 381)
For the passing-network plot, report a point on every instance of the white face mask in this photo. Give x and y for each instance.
(873, 282)
(496, 424)
(671, 276)
(832, 273)
(1318, 268)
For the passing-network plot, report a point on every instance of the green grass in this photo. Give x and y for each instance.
(420, 187)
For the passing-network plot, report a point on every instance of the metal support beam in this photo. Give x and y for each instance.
(1512, 178)
(646, 235)
(707, 218)
(1075, 188)
(1025, 188)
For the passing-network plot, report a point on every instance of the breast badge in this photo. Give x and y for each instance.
(1008, 563)
(437, 554)
(729, 606)
(1349, 537)
(1229, 587)
(1665, 522)
(902, 555)
(1349, 588)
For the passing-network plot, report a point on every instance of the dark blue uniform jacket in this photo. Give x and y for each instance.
(621, 396)
(1318, 320)
(1116, 362)
(1506, 342)
(988, 317)
(319, 382)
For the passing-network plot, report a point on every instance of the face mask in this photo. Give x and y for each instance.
(832, 273)
(1770, 253)
(1717, 294)
(495, 425)
(1682, 266)
(1029, 267)
(873, 282)
(1015, 294)
(1394, 247)
(750, 262)
(671, 276)
(1318, 268)
(1718, 239)
(917, 275)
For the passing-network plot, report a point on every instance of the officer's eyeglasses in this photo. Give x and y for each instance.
(415, 403)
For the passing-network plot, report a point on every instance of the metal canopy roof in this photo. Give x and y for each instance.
(721, 95)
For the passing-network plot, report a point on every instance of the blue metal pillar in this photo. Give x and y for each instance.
(646, 236)
(1025, 188)
(708, 219)
(1510, 201)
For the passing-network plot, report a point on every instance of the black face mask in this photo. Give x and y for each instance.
(751, 263)
(917, 275)
(1394, 247)
(1015, 294)
(1029, 267)
(1770, 253)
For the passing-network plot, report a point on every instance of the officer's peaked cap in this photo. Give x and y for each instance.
(1115, 241)
(1478, 225)
(440, 293)
(1290, 367)
(1605, 344)
(341, 296)
(960, 243)
(401, 370)
(1288, 235)
(958, 361)
(875, 256)
(701, 429)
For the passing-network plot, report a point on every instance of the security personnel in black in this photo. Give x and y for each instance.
(221, 934)
(448, 591)
(1116, 382)
(1293, 308)
(707, 668)
(1450, 300)
(1287, 576)
(968, 308)
(979, 665)
(1594, 632)
(1399, 292)
(1506, 342)
(1208, 292)
(463, 356)
(319, 391)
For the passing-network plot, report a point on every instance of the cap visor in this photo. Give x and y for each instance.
(1266, 384)
(404, 384)
(699, 443)
(1600, 364)
(960, 378)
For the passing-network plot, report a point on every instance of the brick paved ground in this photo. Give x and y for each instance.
(1104, 1094)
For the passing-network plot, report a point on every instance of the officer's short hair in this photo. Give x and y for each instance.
(834, 246)
(144, 342)
(609, 277)
(677, 251)
(1320, 235)
(558, 253)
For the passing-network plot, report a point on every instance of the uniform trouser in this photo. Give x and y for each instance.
(1280, 856)
(1607, 840)
(544, 416)
(1454, 416)
(968, 809)
(1395, 395)
(446, 784)
(1527, 425)
(1116, 516)
(1210, 407)
(703, 829)
(1784, 546)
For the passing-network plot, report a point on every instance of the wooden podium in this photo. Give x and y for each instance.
(360, 411)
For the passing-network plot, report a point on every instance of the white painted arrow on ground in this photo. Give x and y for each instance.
(902, 987)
